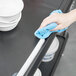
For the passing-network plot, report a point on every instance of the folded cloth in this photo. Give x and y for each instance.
(45, 31)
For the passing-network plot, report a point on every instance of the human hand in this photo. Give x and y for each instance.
(62, 19)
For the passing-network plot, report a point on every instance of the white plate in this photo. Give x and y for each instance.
(51, 50)
(10, 7)
(9, 26)
(38, 73)
(53, 47)
(10, 19)
(4, 25)
(47, 59)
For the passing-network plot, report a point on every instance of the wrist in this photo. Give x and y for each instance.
(72, 15)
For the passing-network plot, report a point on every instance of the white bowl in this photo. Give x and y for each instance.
(12, 26)
(10, 19)
(38, 73)
(51, 51)
(10, 7)
(9, 26)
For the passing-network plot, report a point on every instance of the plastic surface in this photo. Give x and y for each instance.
(51, 50)
(49, 68)
(31, 58)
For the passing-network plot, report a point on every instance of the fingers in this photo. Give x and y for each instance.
(47, 21)
(59, 27)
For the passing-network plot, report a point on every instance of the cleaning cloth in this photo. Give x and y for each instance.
(45, 31)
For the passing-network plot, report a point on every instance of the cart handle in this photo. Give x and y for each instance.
(31, 58)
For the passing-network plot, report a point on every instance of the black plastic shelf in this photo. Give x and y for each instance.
(48, 68)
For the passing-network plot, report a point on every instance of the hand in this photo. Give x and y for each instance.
(63, 20)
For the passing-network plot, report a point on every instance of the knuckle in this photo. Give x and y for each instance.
(44, 20)
(61, 27)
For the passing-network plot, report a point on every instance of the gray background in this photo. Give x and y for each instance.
(67, 64)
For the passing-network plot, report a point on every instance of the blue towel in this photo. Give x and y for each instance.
(45, 31)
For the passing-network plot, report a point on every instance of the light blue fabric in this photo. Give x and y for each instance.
(45, 31)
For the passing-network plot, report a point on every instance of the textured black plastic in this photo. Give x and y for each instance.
(49, 68)
(17, 45)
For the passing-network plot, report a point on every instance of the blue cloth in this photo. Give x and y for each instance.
(45, 31)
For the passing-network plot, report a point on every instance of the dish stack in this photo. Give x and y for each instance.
(51, 51)
(10, 14)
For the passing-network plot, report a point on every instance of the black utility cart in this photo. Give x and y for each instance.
(17, 45)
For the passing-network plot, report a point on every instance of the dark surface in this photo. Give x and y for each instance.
(67, 64)
(40, 55)
(17, 45)
(48, 68)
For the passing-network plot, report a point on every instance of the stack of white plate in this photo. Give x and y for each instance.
(10, 14)
(51, 51)
(38, 73)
